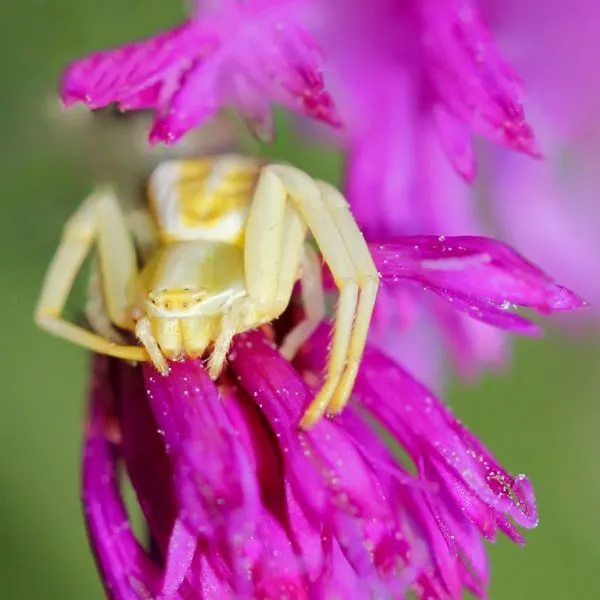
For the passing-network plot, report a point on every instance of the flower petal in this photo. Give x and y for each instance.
(126, 569)
(215, 486)
(110, 76)
(214, 481)
(478, 275)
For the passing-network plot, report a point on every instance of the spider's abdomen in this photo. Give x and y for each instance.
(205, 198)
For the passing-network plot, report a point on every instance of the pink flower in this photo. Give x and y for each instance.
(245, 54)
(321, 512)
(409, 163)
(415, 81)
(241, 504)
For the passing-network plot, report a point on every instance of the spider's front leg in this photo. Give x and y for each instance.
(143, 231)
(342, 245)
(273, 250)
(100, 220)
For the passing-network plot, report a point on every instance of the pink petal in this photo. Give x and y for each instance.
(480, 276)
(126, 569)
(110, 76)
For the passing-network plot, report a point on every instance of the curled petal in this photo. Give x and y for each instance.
(478, 275)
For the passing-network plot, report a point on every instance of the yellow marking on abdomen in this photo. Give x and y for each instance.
(205, 198)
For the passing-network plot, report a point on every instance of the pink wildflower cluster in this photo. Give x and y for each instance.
(238, 502)
(413, 82)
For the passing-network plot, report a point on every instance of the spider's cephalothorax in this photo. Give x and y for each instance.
(222, 245)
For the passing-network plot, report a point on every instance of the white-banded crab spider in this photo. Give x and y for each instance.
(225, 241)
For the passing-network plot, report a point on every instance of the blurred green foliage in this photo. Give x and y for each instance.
(542, 417)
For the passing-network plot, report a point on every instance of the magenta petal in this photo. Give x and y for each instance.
(277, 573)
(110, 76)
(195, 99)
(179, 559)
(340, 581)
(141, 445)
(470, 75)
(209, 583)
(457, 143)
(214, 480)
(214, 483)
(299, 503)
(480, 276)
(283, 395)
(452, 456)
(561, 298)
(145, 99)
(486, 312)
(254, 106)
(518, 490)
(127, 571)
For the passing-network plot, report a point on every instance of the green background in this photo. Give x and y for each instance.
(541, 418)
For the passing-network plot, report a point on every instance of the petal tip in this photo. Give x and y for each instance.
(563, 299)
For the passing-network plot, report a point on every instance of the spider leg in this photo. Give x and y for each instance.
(100, 220)
(144, 232)
(273, 247)
(95, 307)
(306, 195)
(313, 299)
(368, 281)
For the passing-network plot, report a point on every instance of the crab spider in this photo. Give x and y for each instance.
(222, 245)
